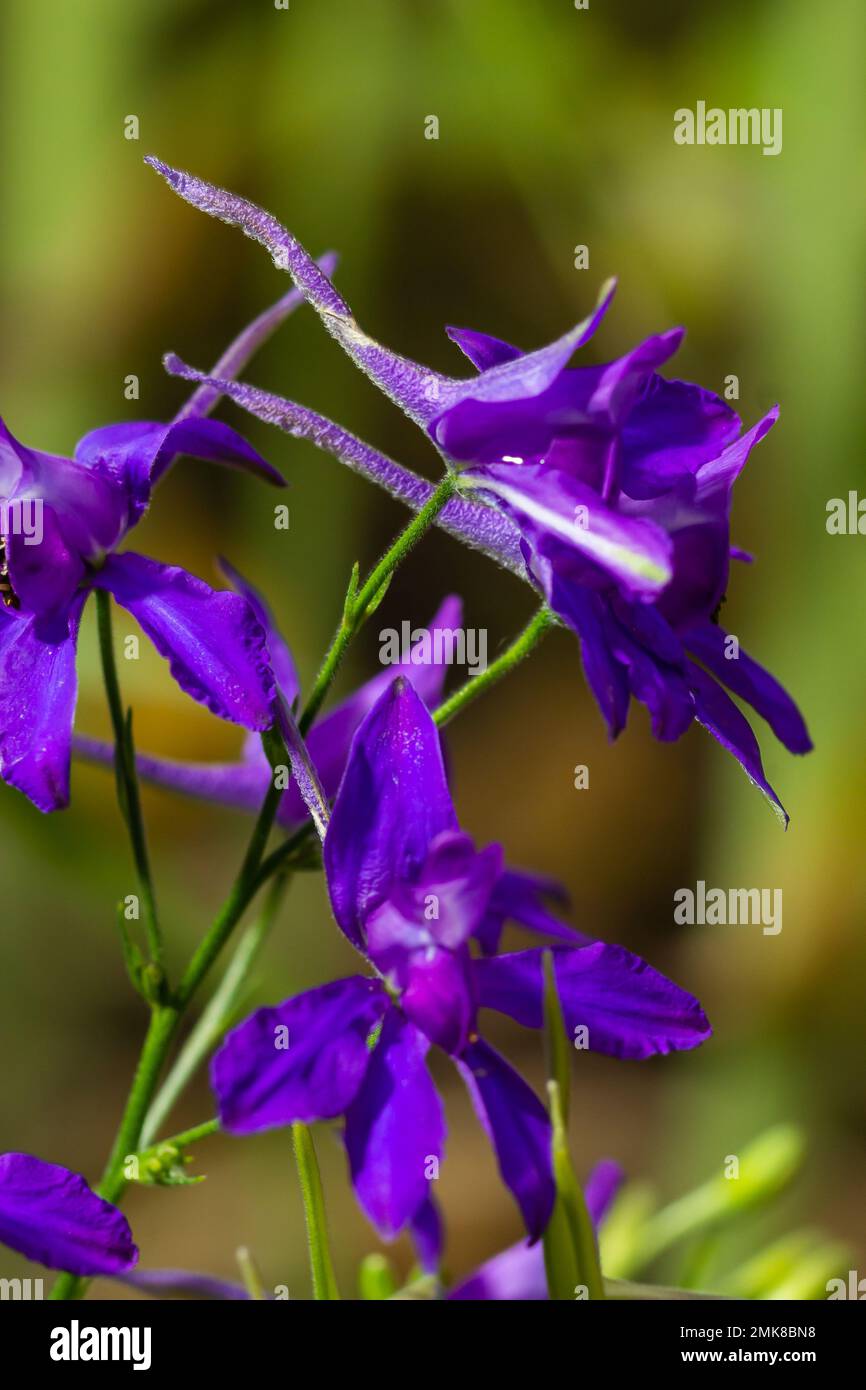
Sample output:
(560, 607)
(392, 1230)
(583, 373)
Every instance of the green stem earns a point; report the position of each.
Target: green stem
(213, 1022)
(357, 604)
(187, 1136)
(511, 657)
(127, 777)
(165, 1017)
(321, 1265)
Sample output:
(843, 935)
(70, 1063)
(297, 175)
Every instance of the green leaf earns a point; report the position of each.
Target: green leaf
(570, 1250)
(321, 1265)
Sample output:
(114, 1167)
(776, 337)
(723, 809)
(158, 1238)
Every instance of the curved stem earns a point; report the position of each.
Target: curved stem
(127, 778)
(357, 604)
(511, 657)
(215, 1019)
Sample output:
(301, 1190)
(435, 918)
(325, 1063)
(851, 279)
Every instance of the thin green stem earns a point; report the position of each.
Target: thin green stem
(187, 1136)
(321, 1265)
(357, 604)
(127, 777)
(220, 1010)
(514, 654)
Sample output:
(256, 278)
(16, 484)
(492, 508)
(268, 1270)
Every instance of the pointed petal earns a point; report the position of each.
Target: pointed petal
(38, 690)
(628, 1008)
(483, 528)
(212, 641)
(395, 1127)
(585, 613)
(708, 642)
(301, 1061)
(428, 1236)
(50, 1215)
(515, 1275)
(715, 479)
(393, 801)
(518, 1128)
(720, 716)
(482, 350)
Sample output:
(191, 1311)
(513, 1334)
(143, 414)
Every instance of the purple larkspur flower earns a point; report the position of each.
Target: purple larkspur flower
(50, 1215)
(609, 488)
(212, 640)
(517, 1275)
(518, 896)
(409, 890)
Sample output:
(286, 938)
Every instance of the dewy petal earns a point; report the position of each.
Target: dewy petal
(719, 715)
(395, 1128)
(393, 801)
(50, 1215)
(279, 651)
(301, 1061)
(38, 690)
(628, 1008)
(708, 642)
(484, 528)
(518, 1127)
(212, 641)
(551, 506)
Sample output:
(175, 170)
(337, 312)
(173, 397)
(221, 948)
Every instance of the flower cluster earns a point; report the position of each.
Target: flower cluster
(608, 489)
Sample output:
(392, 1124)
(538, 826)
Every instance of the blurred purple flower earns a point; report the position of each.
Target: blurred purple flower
(518, 1274)
(80, 509)
(409, 890)
(50, 1215)
(611, 487)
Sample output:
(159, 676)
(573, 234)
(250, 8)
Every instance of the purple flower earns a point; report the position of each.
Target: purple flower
(518, 896)
(612, 486)
(518, 1274)
(62, 520)
(50, 1215)
(409, 890)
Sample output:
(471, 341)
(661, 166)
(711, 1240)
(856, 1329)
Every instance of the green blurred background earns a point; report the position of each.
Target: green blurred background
(555, 130)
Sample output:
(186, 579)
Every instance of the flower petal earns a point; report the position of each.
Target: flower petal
(50, 1215)
(428, 1235)
(518, 1127)
(212, 641)
(482, 350)
(720, 716)
(395, 1128)
(240, 785)
(393, 801)
(567, 522)
(38, 690)
(628, 1008)
(279, 651)
(601, 1188)
(303, 1060)
(519, 897)
(709, 643)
